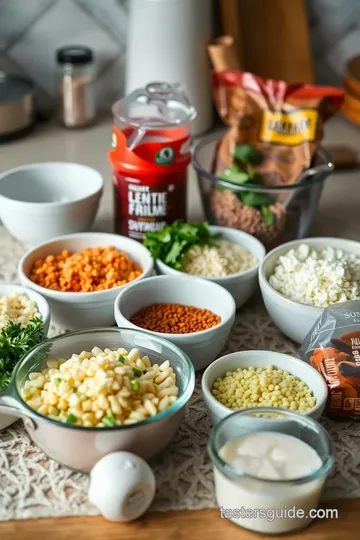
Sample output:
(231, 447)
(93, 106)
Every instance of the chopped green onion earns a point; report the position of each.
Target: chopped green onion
(137, 372)
(109, 420)
(58, 381)
(121, 359)
(70, 419)
(135, 386)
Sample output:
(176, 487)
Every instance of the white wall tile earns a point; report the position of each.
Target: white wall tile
(16, 16)
(110, 86)
(111, 14)
(63, 24)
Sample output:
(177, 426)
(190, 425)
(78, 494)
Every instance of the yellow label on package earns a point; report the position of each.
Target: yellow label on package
(290, 127)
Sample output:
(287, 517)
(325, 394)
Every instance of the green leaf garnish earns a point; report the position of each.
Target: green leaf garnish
(255, 198)
(247, 153)
(269, 218)
(70, 419)
(236, 177)
(135, 386)
(137, 372)
(171, 244)
(109, 420)
(15, 342)
(121, 359)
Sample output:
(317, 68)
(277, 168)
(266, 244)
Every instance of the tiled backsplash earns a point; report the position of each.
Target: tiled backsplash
(32, 30)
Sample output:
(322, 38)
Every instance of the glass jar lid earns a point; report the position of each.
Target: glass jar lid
(158, 105)
(75, 54)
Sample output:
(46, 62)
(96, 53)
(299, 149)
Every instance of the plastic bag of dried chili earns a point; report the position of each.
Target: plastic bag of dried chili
(283, 121)
(333, 348)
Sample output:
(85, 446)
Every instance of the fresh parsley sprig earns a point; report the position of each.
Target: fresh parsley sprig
(171, 243)
(15, 342)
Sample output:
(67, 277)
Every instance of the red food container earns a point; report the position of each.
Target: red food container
(150, 155)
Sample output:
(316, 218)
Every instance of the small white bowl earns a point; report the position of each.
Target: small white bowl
(201, 347)
(41, 201)
(44, 310)
(312, 378)
(241, 285)
(75, 310)
(294, 319)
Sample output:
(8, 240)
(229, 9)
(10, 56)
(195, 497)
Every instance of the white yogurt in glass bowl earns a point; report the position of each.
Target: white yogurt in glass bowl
(269, 468)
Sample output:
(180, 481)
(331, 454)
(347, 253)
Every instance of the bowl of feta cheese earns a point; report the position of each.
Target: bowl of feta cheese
(299, 279)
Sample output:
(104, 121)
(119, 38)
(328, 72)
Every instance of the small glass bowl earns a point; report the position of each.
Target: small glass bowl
(294, 206)
(239, 491)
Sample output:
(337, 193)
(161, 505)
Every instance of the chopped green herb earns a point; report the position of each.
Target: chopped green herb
(247, 153)
(135, 386)
(121, 359)
(57, 381)
(235, 177)
(171, 244)
(268, 216)
(15, 342)
(70, 419)
(255, 198)
(137, 372)
(109, 420)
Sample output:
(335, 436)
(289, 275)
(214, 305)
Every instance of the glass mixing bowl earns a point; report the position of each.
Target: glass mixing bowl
(294, 206)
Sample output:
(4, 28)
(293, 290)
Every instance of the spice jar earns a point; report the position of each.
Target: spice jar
(75, 85)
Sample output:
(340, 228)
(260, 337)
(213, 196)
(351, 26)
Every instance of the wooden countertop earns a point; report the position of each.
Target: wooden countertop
(197, 525)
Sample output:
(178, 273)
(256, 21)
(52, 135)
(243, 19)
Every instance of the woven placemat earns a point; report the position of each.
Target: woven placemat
(31, 485)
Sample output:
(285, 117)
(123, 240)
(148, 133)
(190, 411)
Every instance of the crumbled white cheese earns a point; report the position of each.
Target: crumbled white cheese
(317, 277)
(221, 259)
(18, 308)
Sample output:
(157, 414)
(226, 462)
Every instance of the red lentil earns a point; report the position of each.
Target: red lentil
(92, 269)
(175, 319)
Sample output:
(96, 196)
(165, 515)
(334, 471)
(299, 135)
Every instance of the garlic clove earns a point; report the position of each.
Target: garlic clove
(122, 486)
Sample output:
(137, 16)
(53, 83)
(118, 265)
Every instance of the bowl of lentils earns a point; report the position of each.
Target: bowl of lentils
(299, 279)
(225, 256)
(194, 314)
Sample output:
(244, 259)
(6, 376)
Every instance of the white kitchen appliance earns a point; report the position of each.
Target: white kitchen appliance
(167, 41)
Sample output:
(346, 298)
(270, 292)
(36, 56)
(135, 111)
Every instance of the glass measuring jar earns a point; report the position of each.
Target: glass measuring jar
(286, 505)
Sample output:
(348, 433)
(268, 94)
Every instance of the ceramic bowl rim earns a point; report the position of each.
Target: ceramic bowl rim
(214, 404)
(41, 303)
(61, 295)
(264, 282)
(53, 204)
(178, 338)
(223, 280)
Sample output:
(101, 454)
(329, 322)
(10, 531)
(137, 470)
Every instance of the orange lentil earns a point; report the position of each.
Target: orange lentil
(92, 269)
(175, 319)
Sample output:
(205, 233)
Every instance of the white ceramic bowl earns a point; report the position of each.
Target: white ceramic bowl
(72, 310)
(294, 319)
(44, 310)
(312, 378)
(242, 284)
(41, 201)
(201, 347)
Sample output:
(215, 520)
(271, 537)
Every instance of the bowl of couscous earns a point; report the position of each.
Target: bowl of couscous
(232, 261)
(262, 379)
(80, 275)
